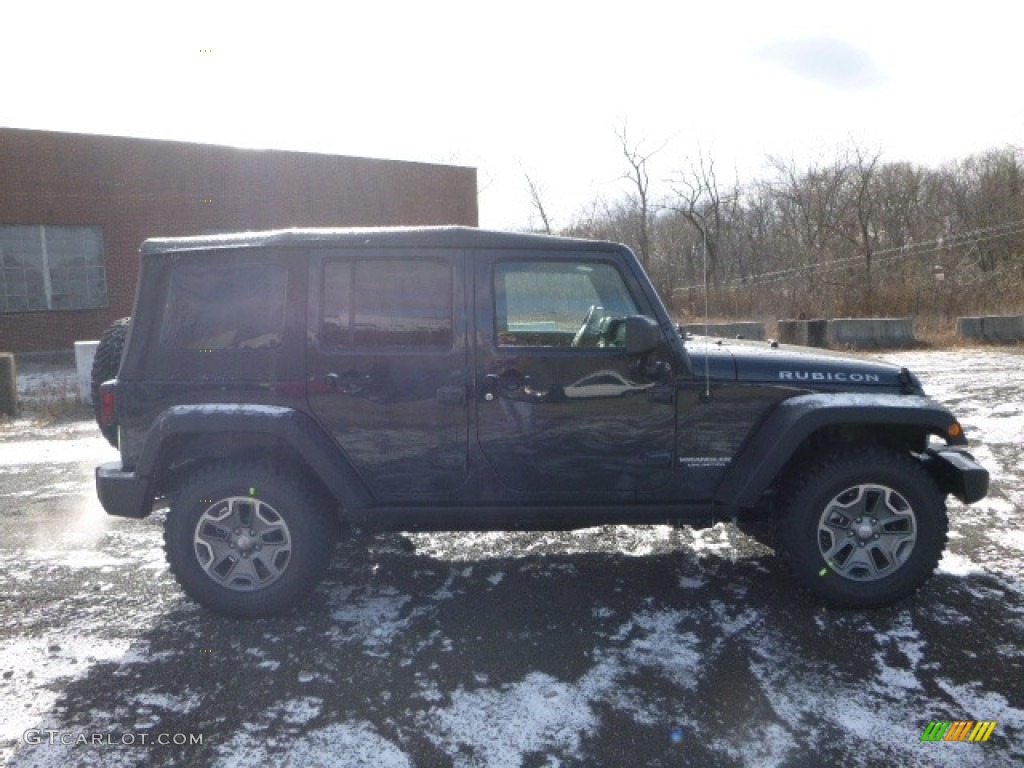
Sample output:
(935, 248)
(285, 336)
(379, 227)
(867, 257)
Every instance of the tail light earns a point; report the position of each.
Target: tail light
(108, 404)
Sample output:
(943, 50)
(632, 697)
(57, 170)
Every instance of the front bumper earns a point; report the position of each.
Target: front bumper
(121, 493)
(958, 473)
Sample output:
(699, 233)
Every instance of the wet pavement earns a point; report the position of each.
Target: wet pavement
(607, 647)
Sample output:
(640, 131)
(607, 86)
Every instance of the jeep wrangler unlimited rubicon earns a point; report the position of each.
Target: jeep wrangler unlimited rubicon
(276, 386)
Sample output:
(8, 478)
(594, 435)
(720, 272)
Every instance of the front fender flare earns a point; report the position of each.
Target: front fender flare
(780, 434)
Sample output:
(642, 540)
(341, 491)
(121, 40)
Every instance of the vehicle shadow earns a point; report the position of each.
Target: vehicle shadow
(581, 657)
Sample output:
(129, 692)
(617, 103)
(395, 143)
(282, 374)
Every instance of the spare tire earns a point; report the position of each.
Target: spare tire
(105, 366)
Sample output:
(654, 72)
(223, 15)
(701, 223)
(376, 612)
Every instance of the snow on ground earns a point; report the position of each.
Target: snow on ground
(607, 646)
(985, 390)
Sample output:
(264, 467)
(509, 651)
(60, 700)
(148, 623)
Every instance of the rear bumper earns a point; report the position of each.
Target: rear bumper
(958, 473)
(121, 493)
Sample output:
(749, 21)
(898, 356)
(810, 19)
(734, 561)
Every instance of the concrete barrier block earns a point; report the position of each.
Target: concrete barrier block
(997, 328)
(805, 333)
(746, 330)
(871, 332)
(969, 327)
(793, 332)
(845, 332)
(85, 351)
(8, 385)
(817, 333)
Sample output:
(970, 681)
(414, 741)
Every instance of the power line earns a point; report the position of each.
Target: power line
(923, 248)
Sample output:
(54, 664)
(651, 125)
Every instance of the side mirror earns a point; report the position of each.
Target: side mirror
(642, 335)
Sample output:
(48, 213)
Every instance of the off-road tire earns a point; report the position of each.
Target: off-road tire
(895, 558)
(105, 366)
(207, 509)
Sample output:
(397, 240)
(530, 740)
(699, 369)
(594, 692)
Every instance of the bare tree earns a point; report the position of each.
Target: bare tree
(537, 203)
(810, 202)
(846, 234)
(863, 205)
(639, 178)
(699, 202)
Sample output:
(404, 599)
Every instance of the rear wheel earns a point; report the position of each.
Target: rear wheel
(246, 541)
(105, 366)
(863, 528)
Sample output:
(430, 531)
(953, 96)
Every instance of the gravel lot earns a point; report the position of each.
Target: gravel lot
(606, 647)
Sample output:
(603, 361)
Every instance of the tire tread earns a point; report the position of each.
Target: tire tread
(277, 599)
(805, 483)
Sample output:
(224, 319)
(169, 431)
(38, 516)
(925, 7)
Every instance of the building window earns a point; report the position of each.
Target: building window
(51, 267)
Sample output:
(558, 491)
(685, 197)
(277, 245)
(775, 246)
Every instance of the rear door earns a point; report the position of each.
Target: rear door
(562, 409)
(387, 365)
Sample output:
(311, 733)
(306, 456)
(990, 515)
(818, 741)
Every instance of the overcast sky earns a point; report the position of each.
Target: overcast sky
(537, 87)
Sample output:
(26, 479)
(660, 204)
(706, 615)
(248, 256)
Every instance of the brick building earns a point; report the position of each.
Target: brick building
(74, 209)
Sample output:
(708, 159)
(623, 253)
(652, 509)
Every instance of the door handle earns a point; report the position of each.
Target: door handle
(349, 382)
(506, 381)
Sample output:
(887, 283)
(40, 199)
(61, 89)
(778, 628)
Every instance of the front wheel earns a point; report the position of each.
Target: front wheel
(247, 542)
(863, 528)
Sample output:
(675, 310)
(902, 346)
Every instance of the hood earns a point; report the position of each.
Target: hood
(764, 362)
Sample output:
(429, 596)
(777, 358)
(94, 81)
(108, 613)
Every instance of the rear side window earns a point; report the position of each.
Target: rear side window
(389, 303)
(225, 306)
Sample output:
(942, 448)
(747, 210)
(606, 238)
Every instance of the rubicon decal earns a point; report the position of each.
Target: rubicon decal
(959, 730)
(842, 376)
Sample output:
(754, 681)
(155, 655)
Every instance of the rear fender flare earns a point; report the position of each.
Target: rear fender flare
(293, 427)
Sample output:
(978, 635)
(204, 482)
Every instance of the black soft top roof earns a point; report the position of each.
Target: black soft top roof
(377, 237)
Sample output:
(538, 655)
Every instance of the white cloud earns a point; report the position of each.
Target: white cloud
(830, 61)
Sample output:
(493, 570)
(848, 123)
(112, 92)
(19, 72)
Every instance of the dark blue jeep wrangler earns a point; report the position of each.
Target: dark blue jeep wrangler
(276, 387)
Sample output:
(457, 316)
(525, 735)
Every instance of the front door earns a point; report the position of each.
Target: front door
(388, 365)
(561, 407)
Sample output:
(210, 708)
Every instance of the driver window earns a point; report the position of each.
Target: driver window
(560, 304)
